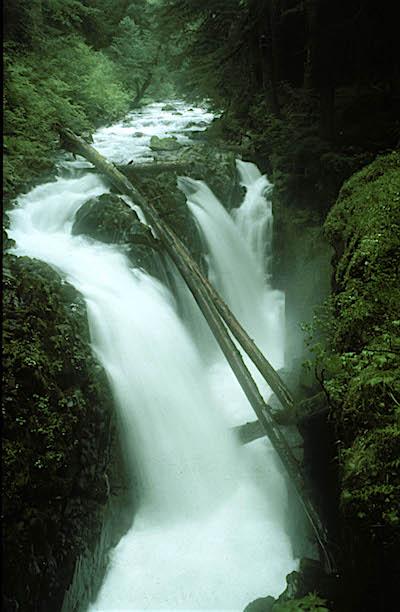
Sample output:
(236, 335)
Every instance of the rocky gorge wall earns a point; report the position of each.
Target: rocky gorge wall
(360, 362)
(61, 457)
(342, 275)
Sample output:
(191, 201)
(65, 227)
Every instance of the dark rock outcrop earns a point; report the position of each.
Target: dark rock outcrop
(109, 219)
(309, 588)
(164, 144)
(59, 441)
(361, 366)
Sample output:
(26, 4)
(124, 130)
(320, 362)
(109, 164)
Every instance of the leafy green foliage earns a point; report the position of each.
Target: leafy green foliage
(133, 51)
(76, 63)
(42, 91)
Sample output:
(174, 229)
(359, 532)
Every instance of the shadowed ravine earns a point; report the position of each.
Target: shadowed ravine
(210, 529)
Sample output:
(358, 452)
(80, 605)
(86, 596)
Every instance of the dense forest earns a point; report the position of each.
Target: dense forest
(310, 91)
(115, 51)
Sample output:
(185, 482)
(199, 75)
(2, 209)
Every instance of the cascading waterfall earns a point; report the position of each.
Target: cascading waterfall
(238, 248)
(209, 533)
(253, 218)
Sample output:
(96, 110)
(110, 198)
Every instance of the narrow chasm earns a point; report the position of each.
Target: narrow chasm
(201, 334)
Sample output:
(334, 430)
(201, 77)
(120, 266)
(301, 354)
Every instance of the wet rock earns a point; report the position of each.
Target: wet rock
(262, 604)
(169, 107)
(164, 144)
(196, 124)
(109, 219)
(57, 428)
(8, 243)
(196, 134)
(309, 578)
(162, 191)
(139, 134)
(308, 589)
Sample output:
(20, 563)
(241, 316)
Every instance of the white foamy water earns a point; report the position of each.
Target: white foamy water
(238, 247)
(209, 533)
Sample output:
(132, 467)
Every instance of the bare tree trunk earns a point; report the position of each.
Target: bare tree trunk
(261, 15)
(316, 80)
(141, 90)
(309, 77)
(327, 111)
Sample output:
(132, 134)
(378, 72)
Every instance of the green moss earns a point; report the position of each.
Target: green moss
(360, 361)
(57, 431)
(311, 603)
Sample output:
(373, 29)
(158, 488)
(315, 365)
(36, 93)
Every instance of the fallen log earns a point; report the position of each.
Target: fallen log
(219, 318)
(253, 429)
(179, 252)
(150, 169)
(249, 432)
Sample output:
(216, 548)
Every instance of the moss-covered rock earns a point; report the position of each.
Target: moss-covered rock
(57, 431)
(301, 593)
(361, 368)
(109, 219)
(170, 143)
(309, 603)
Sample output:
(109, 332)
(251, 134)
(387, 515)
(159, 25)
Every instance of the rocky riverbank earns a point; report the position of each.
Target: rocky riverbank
(60, 449)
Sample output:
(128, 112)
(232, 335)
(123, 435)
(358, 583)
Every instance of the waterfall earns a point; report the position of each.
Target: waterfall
(209, 532)
(238, 249)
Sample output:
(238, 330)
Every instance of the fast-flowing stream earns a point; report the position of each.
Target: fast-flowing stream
(209, 533)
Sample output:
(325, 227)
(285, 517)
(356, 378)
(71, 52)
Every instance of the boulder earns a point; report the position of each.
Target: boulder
(196, 134)
(262, 604)
(8, 243)
(109, 219)
(310, 578)
(168, 107)
(59, 436)
(307, 589)
(196, 124)
(164, 144)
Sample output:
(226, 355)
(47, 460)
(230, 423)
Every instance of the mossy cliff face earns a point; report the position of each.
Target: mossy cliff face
(361, 368)
(57, 435)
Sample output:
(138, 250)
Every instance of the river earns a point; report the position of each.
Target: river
(210, 531)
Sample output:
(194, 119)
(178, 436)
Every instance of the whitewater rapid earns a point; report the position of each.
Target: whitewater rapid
(210, 531)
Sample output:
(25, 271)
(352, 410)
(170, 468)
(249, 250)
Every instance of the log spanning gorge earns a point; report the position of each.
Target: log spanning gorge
(210, 531)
